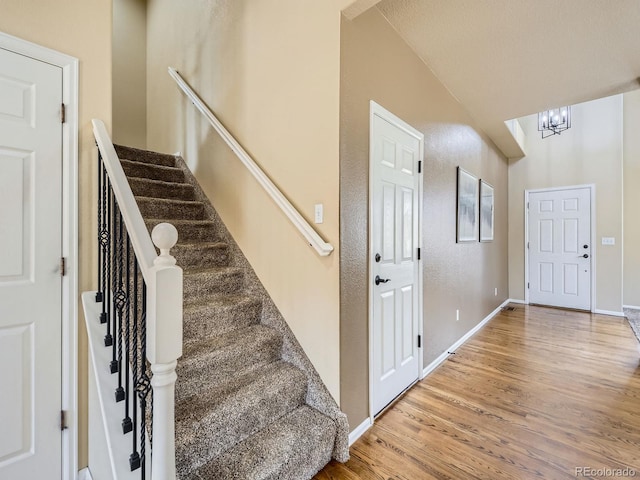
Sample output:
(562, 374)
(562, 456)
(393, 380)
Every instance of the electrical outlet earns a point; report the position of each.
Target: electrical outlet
(457, 315)
(495, 292)
(319, 213)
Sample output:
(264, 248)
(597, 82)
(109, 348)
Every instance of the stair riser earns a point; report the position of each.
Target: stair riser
(171, 211)
(222, 364)
(240, 416)
(208, 321)
(206, 256)
(197, 286)
(188, 233)
(133, 154)
(146, 170)
(174, 191)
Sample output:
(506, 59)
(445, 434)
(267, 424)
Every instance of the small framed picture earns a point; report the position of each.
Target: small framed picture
(467, 208)
(486, 212)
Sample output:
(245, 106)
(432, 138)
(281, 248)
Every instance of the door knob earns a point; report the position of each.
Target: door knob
(379, 280)
(586, 255)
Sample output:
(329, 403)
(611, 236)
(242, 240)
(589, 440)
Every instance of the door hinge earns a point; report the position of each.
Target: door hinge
(527, 205)
(418, 253)
(63, 420)
(419, 341)
(63, 266)
(419, 166)
(528, 285)
(528, 245)
(63, 113)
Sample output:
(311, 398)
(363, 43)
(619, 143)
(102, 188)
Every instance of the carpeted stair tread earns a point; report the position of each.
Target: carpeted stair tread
(201, 254)
(215, 315)
(155, 172)
(214, 359)
(146, 187)
(215, 420)
(202, 282)
(189, 231)
(171, 209)
(294, 447)
(145, 156)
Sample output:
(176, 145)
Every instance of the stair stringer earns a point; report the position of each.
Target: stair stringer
(318, 395)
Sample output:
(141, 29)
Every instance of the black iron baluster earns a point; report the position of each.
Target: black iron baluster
(99, 292)
(127, 426)
(144, 384)
(134, 458)
(104, 241)
(121, 301)
(114, 285)
(108, 339)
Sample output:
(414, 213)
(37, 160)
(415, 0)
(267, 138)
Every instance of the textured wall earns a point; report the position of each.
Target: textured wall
(270, 71)
(81, 29)
(377, 65)
(631, 146)
(589, 153)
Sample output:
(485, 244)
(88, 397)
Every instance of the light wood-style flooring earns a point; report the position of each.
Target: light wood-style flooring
(538, 393)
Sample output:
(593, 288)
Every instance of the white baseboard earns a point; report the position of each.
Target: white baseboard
(359, 430)
(609, 312)
(631, 307)
(432, 366)
(85, 474)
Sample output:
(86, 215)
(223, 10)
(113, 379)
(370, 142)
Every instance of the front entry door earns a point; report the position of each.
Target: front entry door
(560, 248)
(396, 153)
(30, 280)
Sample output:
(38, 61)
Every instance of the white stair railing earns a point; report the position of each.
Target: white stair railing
(152, 313)
(323, 248)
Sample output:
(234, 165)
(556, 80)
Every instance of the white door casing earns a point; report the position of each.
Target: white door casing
(34, 270)
(560, 247)
(396, 150)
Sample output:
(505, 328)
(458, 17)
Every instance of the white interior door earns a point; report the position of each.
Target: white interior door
(30, 280)
(396, 150)
(560, 248)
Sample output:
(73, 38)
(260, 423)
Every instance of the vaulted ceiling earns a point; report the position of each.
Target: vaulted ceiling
(504, 59)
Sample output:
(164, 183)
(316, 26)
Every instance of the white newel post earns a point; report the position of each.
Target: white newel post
(164, 347)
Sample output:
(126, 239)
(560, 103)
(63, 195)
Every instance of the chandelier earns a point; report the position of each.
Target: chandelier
(554, 121)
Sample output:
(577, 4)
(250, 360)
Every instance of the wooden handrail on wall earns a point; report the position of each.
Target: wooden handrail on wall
(323, 248)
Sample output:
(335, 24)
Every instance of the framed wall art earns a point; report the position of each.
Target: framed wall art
(486, 212)
(467, 209)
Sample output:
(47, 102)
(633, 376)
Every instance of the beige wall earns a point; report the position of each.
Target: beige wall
(377, 65)
(129, 74)
(589, 153)
(81, 29)
(631, 146)
(270, 70)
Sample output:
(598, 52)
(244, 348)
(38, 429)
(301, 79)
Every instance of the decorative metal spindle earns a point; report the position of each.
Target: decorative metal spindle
(121, 302)
(99, 292)
(114, 285)
(134, 458)
(127, 426)
(144, 383)
(108, 339)
(104, 241)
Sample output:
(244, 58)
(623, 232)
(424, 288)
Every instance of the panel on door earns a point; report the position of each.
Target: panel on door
(394, 229)
(30, 282)
(560, 248)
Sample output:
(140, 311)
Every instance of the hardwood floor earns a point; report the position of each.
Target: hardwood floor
(537, 394)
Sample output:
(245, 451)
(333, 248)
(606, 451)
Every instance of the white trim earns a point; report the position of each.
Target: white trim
(322, 248)
(378, 110)
(432, 366)
(357, 432)
(613, 313)
(85, 474)
(631, 307)
(69, 367)
(592, 199)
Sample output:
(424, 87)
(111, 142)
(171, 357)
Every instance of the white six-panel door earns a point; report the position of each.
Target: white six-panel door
(396, 150)
(560, 247)
(30, 280)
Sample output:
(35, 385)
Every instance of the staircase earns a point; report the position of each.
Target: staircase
(249, 404)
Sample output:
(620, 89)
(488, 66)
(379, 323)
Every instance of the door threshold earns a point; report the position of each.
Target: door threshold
(568, 309)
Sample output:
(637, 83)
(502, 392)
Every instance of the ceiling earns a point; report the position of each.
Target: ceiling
(504, 59)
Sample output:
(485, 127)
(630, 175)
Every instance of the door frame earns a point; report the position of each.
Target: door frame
(376, 109)
(69, 365)
(592, 199)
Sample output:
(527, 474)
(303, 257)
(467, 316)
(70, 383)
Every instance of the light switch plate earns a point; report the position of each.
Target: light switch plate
(319, 213)
(608, 241)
